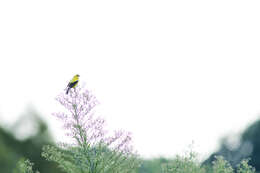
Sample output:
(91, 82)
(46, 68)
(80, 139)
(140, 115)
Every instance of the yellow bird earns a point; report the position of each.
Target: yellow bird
(73, 83)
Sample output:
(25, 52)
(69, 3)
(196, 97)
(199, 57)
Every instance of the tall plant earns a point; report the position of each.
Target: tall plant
(92, 149)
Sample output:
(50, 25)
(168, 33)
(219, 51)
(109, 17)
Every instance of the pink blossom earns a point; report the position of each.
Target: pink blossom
(83, 126)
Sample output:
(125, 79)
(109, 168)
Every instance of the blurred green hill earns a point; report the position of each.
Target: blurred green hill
(247, 145)
(14, 145)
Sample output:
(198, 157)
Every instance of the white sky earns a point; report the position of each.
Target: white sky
(171, 72)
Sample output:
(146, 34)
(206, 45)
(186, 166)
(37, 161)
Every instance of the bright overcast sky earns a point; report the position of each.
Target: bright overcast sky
(171, 72)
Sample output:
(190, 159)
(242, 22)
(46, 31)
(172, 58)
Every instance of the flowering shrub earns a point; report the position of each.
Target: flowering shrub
(93, 151)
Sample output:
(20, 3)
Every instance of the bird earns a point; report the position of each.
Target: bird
(73, 83)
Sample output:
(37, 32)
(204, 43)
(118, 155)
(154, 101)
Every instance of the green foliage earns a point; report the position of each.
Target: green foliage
(24, 166)
(244, 167)
(98, 157)
(86, 159)
(152, 165)
(220, 165)
(190, 164)
(184, 164)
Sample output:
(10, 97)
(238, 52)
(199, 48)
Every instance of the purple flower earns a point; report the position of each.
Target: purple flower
(81, 124)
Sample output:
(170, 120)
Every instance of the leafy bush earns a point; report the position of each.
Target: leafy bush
(190, 164)
(184, 164)
(24, 166)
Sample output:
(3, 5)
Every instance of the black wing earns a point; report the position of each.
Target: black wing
(71, 85)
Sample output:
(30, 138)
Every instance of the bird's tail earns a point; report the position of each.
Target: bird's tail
(68, 90)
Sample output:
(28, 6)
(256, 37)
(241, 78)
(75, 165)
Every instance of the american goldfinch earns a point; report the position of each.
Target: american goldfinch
(73, 83)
